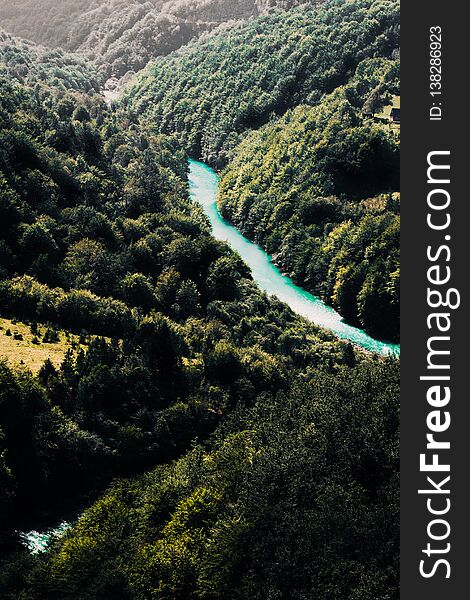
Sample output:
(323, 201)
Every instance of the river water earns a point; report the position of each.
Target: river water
(203, 183)
(38, 541)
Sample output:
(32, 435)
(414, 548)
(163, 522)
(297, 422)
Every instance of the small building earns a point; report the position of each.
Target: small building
(395, 115)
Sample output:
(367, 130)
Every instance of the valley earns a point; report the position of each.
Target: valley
(203, 184)
(199, 272)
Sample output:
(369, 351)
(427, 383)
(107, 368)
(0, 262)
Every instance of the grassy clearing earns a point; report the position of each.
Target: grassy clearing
(383, 116)
(23, 344)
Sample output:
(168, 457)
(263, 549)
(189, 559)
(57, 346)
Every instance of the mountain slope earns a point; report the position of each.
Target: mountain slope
(98, 236)
(205, 442)
(212, 91)
(121, 36)
(31, 64)
(276, 507)
(314, 183)
(317, 189)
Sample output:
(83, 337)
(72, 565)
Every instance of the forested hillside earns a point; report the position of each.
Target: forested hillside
(28, 63)
(317, 190)
(205, 441)
(314, 185)
(276, 507)
(211, 92)
(121, 36)
(98, 236)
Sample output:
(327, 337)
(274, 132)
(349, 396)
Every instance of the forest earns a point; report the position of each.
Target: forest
(318, 190)
(29, 63)
(316, 183)
(212, 92)
(209, 442)
(121, 36)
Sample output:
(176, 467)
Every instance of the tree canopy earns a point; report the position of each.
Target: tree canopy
(318, 189)
(31, 64)
(122, 36)
(211, 92)
(204, 441)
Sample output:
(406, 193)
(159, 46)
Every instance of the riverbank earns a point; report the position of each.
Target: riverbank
(203, 182)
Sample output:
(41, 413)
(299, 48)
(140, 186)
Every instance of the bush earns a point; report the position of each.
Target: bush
(51, 336)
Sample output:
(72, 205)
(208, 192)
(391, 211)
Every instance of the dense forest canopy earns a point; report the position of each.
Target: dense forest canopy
(211, 92)
(121, 36)
(99, 236)
(29, 63)
(212, 444)
(317, 189)
(275, 507)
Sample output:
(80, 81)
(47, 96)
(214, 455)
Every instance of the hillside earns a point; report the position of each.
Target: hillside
(121, 36)
(275, 507)
(31, 64)
(204, 440)
(98, 237)
(316, 189)
(211, 92)
(314, 183)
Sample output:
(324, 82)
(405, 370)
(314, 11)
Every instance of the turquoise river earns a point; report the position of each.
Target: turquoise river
(203, 184)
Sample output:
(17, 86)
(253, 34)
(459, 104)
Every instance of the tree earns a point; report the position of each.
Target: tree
(138, 291)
